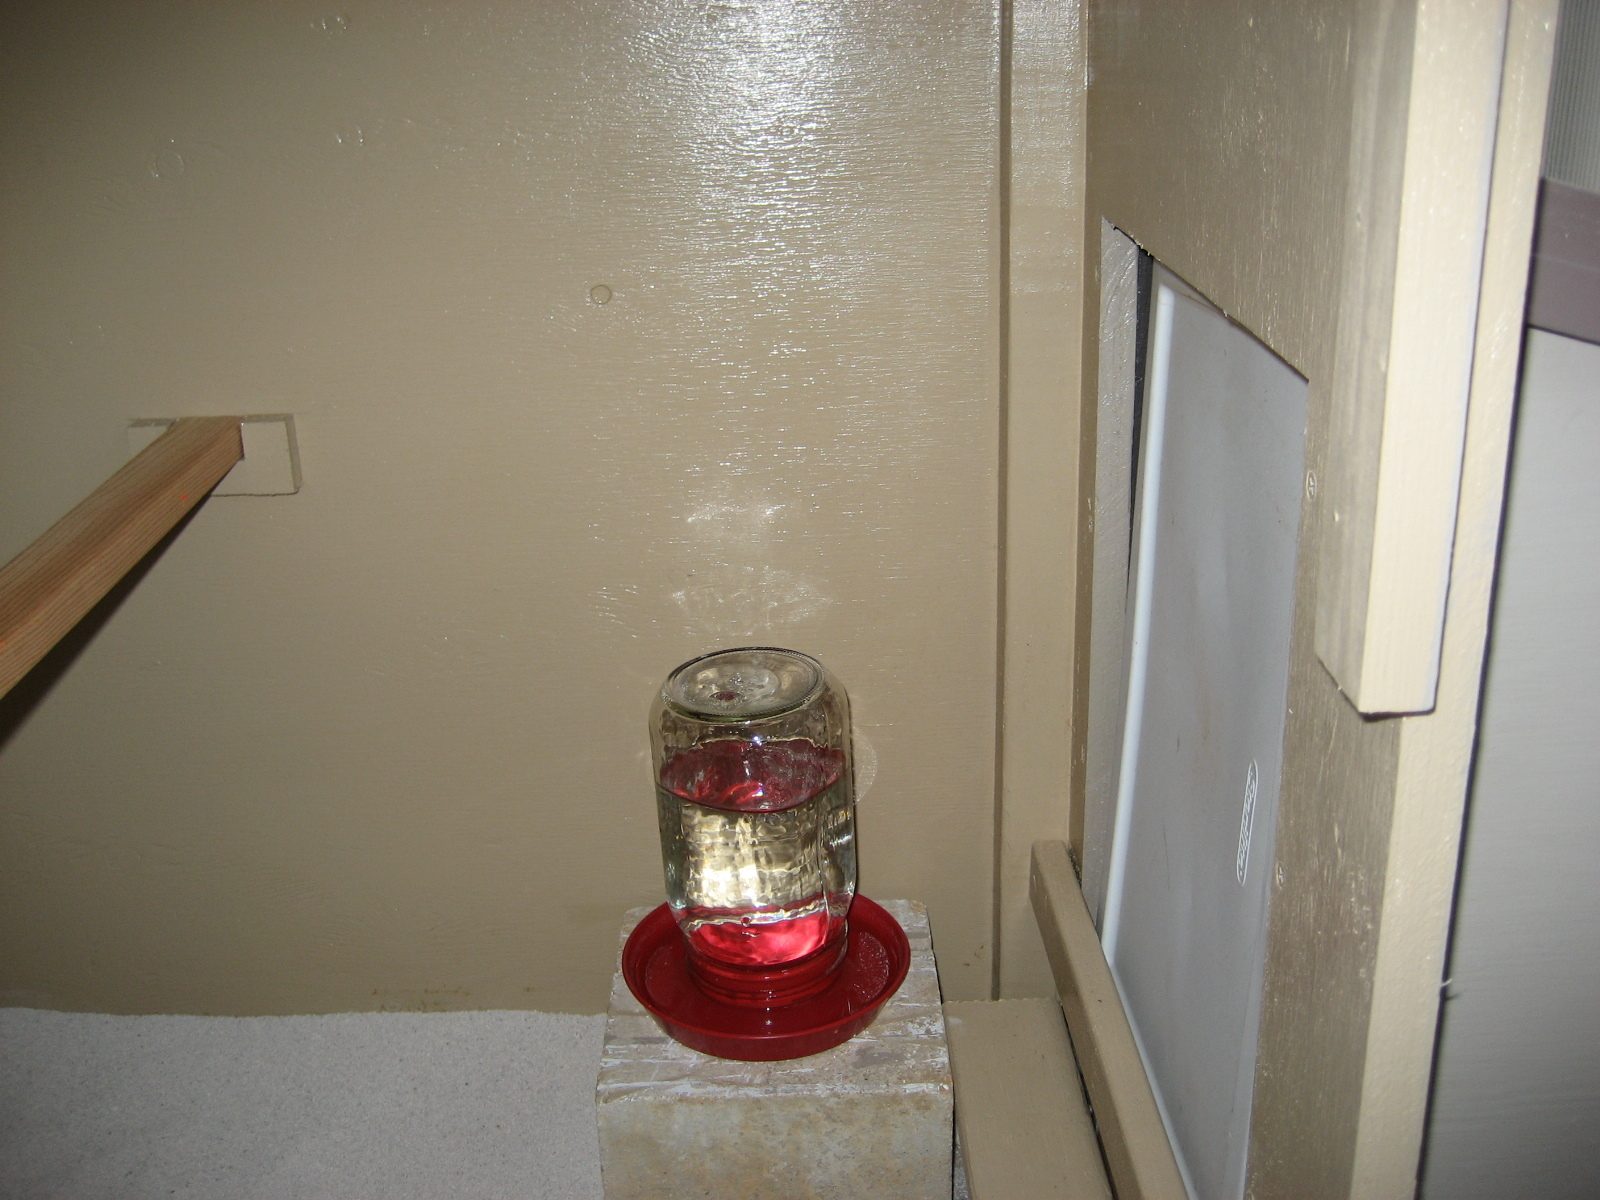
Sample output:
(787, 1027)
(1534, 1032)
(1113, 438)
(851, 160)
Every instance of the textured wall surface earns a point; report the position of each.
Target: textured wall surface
(614, 332)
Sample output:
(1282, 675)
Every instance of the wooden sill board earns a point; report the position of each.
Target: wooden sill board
(1024, 1124)
(1138, 1154)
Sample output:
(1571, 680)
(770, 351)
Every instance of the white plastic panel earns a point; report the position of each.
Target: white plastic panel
(1220, 482)
(1516, 1086)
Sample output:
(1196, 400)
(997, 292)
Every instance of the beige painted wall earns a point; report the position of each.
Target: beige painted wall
(381, 744)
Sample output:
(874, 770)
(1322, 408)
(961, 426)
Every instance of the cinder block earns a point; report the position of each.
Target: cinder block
(871, 1118)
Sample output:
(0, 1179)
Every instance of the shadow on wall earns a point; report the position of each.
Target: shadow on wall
(17, 705)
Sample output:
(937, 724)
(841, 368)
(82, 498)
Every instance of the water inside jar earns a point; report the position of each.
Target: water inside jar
(758, 842)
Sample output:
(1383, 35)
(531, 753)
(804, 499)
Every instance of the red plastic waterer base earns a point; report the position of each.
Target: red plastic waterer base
(656, 968)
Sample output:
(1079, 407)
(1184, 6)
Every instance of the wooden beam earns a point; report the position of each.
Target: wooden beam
(1132, 1134)
(1042, 286)
(1025, 1127)
(47, 589)
(1420, 163)
(1435, 755)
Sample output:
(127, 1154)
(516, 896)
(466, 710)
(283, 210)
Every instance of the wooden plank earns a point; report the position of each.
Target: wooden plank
(1135, 1141)
(1435, 753)
(1043, 283)
(1367, 855)
(47, 589)
(1020, 1109)
(1418, 193)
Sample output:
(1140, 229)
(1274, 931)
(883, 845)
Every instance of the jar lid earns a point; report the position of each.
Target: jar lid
(743, 684)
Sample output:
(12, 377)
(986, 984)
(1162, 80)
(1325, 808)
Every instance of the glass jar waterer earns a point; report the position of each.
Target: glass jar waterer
(755, 798)
(763, 950)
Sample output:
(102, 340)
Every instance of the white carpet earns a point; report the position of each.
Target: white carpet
(494, 1105)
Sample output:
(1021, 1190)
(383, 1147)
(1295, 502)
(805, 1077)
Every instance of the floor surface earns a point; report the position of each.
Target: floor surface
(387, 1105)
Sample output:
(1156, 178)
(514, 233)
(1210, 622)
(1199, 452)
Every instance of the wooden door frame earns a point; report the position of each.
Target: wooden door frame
(1369, 827)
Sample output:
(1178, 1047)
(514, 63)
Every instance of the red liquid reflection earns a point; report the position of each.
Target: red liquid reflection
(760, 849)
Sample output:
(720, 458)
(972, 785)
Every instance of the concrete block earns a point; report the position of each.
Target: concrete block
(871, 1118)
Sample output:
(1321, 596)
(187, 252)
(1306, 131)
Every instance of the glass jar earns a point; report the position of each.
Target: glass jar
(755, 794)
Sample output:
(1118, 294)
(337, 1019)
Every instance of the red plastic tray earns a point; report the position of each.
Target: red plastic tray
(655, 966)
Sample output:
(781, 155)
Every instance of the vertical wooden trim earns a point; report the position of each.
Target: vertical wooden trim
(1367, 854)
(1436, 750)
(1132, 1133)
(1418, 192)
(47, 589)
(1045, 312)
